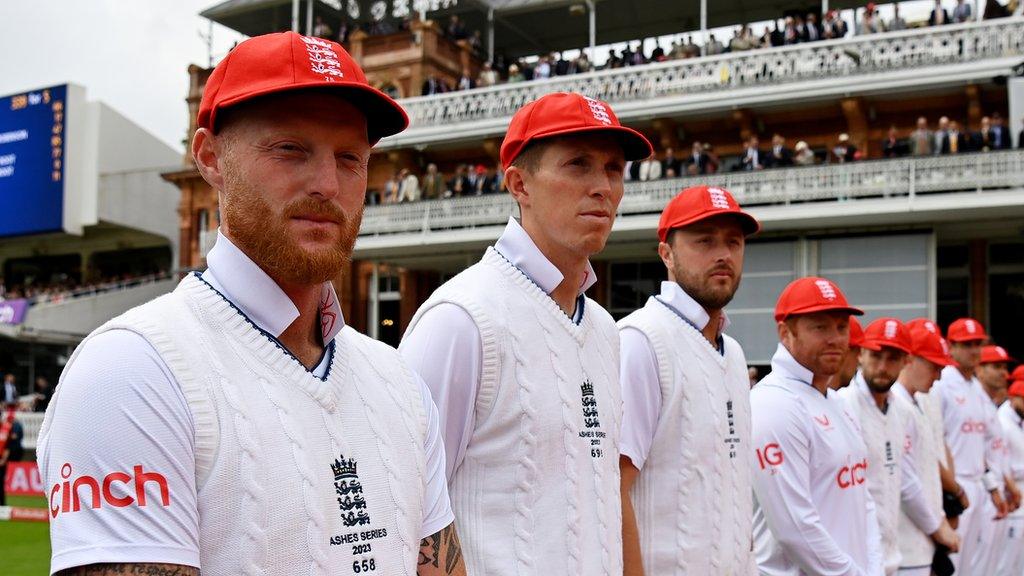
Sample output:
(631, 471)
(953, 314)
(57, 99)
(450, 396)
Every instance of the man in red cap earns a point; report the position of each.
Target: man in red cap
(686, 400)
(1017, 375)
(924, 453)
(892, 478)
(970, 434)
(236, 425)
(524, 368)
(1011, 416)
(992, 374)
(813, 511)
(852, 359)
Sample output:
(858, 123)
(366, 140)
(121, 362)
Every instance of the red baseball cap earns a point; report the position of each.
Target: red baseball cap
(699, 203)
(1018, 373)
(929, 345)
(286, 61)
(811, 294)
(562, 113)
(966, 330)
(995, 355)
(887, 332)
(1017, 388)
(925, 324)
(856, 333)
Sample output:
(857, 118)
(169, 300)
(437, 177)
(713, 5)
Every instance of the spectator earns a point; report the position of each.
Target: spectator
(456, 30)
(343, 31)
(658, 54)
(954, 141)
(322, 29)
(479, 182)
(488, 76)
(801, 28)
(775, 37)
(940, 135)
(476, 42)
(543, 69)
(982, 139)
(741, 40)
(812, 29)
(869, 21)
(897, 22)
(714, 47)
(891, 144)
(844, 150)
(466, 81)
(43, 393)
(559, 65)
(962, 12)
(804, 155)
(780, 156)
(670, 162)
(11, 449)
(833, 26)
(1000, 135)
(713, 162)
(583, 64)
(939, 16)
(753, 158)
(10, 390)
(994, 9)
(650, 169)
(636, 56)
(459, 184)
(633, 170)
(391, 188)
(690, 49)
(921, 139)
(699, 161)
(515, 75)
(433, 85)
(432, 186)
(789, 32)
(409, 186)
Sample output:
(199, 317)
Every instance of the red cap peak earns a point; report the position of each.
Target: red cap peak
(811, 294)
(888, 332)
(699, 203)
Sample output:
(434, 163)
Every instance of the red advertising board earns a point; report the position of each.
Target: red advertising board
(23, 479)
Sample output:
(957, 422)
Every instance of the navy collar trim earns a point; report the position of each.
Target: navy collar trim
(581, 300)
(719, 341)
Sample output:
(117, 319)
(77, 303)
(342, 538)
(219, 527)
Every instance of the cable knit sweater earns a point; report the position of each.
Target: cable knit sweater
(538, 490)
(291, 470)
(693, 498)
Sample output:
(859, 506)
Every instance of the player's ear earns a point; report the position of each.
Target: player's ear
(206, 152)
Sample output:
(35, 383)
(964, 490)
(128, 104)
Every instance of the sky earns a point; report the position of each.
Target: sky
(133, 55)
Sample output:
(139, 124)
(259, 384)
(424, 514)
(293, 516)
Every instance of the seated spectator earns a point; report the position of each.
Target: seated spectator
(921, 139)
(753, 157)
(714, 46)
(432, 185)
(322, 29)
(844, 150)
(650, 169)
(459, 184)
(804, 156)
(954, 141)
(669, 162)
(962, 12)
(812, 29)
(409, 186)
(891, 146)
(833, 26)
(869, 21)
(488, 76)
(698, 162)
(780, 156)
(897, 22)
(939, 16)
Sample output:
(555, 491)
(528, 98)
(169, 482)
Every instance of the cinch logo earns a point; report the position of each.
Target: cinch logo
(890, 329)
(823, 420)
(770, 455)
(852, 475)
(828, 291)
(960, 400)
(972, 427)
(718, 199)
(598, 109)
(70, 498)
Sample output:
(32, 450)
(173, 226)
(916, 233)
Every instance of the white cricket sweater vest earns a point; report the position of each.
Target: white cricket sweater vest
(884, 437)
(538, 489)
(916, 547)
(693, 498)
(294, 474)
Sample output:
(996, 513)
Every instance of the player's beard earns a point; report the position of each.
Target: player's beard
(697, 285)
(879, 384)
(267, 240)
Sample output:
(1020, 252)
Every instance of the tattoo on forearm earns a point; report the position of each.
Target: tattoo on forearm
(130, 570)
(442, 544)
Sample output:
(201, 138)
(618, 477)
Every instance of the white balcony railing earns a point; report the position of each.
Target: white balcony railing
(870, 179)
(844, 58)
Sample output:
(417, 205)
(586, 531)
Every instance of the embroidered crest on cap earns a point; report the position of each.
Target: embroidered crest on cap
(890, 329)
(718, 199)
(931, 327)
(598, 109)
(971, 326)
(827, 291)
(322, 58)
(1001, 352)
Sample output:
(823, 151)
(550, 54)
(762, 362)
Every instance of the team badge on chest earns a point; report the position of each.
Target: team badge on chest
(591, 422)
(349, 491)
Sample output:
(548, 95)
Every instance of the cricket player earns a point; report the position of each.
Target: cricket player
(1011, 416)
(813, 511)
(925, 452)
(892, 478)
(970, 437)
(524, 367)
(686, 492)
(851, 362)
(236, 425)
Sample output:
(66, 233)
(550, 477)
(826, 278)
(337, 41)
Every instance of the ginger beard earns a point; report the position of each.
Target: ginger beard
(266, 238)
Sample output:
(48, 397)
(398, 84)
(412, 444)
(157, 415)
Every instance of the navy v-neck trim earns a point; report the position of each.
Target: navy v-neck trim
(719, 341)
(328, 350)
(581, 299)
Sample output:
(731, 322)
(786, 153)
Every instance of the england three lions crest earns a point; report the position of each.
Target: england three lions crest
(591, 420)
(349, 492)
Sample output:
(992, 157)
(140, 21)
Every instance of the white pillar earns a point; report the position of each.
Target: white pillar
(704, 26)
(1015, 95)
(824, 7)
(295, 15)
(309, 17)
(592, 7)
(490, 35)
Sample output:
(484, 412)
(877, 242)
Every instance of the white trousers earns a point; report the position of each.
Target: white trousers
(1011, 560)
(970, 529)
(990, 540)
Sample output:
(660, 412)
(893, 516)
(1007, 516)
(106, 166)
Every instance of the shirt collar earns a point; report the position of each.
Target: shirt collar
(787, 367)
(673, 296)
(518, 248)
(256, 294)
(900, 390)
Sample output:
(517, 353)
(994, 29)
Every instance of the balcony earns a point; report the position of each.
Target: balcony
(912, 58)
(874, 190)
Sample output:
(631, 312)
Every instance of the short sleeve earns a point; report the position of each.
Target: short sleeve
(437, 508)
(117, 459)
(641, 395)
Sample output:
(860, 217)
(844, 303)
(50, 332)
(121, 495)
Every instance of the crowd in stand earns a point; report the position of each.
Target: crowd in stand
(63, 287)
(466, 180)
